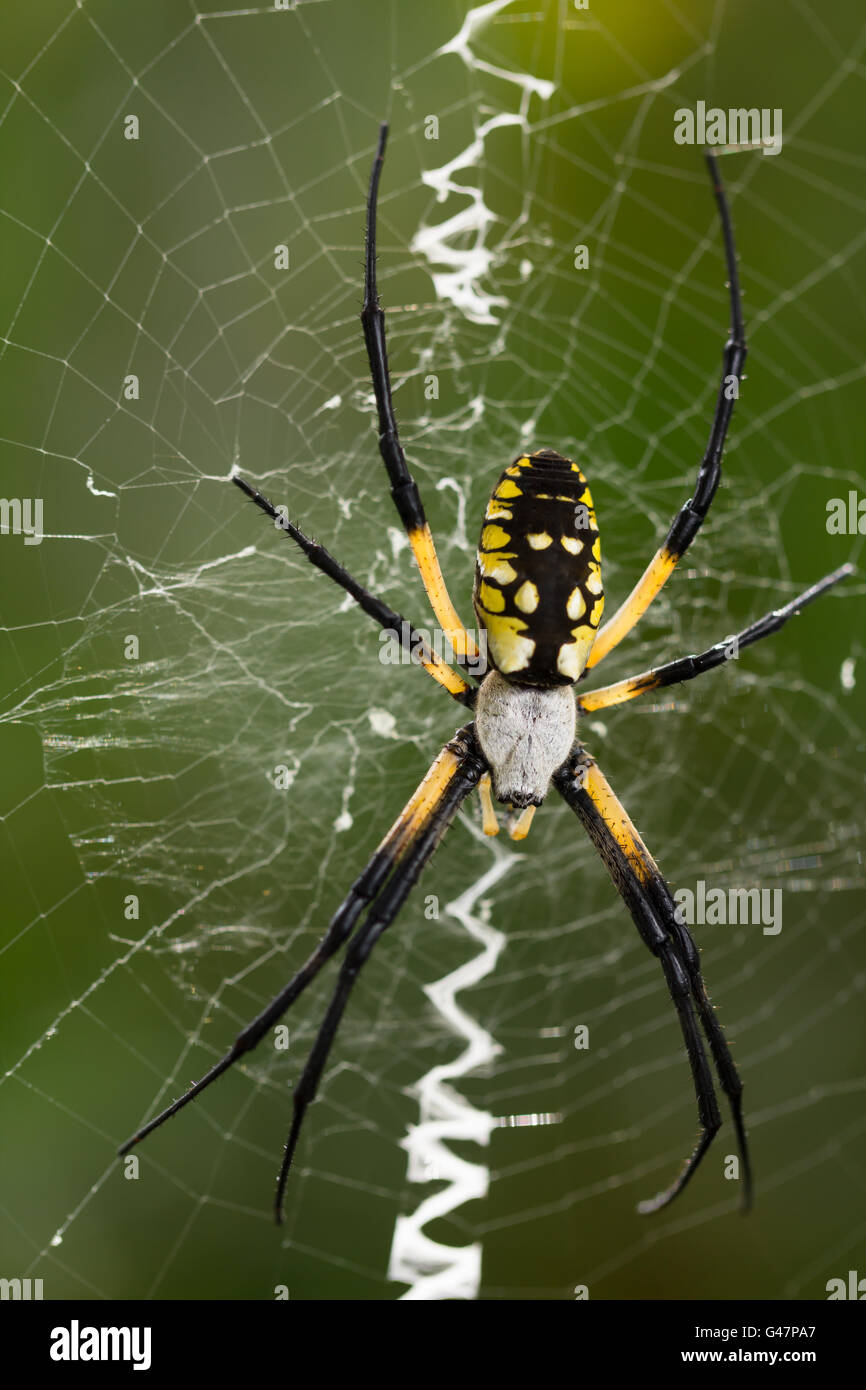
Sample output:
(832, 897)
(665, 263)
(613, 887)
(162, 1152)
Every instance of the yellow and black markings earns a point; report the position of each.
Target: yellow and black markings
(617, 820)
(421, 541)
(422, 803)
(538, 588)
(653, 579)
(617, 694)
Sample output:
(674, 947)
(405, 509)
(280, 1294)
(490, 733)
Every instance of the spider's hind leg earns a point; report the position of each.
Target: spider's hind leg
(420, 828)
(457, 761)
(646, 894)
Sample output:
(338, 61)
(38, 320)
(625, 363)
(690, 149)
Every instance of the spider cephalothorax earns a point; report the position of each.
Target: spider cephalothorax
(526, 733)
(538, 595)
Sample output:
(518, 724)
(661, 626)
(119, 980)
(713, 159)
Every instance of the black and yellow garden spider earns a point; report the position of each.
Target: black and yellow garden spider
(538, 596)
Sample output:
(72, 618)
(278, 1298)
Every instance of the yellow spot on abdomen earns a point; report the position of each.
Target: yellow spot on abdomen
(497, 511)
(508, 489)
(576, 605)
(492, 599)
(526, 597)
(572, 655)
(510, 650)
(593, 579)
(496, 567)
(494, 538)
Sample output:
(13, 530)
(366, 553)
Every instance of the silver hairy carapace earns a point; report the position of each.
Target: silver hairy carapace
(526, 733)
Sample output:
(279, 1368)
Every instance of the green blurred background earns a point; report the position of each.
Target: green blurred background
(150, 776)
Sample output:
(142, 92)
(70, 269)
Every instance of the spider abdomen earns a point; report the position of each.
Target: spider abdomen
(538, 590)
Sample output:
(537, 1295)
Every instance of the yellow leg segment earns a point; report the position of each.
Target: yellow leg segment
(618, 693)
(441, 671)
(685, 668)
(652, 580)
(519, 828)
(421, 541)
(618, 821)
(422, 803)
(489, 819)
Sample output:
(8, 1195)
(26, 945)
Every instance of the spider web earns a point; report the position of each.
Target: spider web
(165, 655)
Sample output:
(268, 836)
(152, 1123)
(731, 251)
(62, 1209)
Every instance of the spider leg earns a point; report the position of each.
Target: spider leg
(637, 878)
(489, 819)
(685, 668)
(399, 840)
(404, 489)
(465, 770)
(691, 515)
(410, 639)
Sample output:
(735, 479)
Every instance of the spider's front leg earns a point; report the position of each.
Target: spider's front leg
(692, 514)
(404, 489)
(648, 898)
(412, 641)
